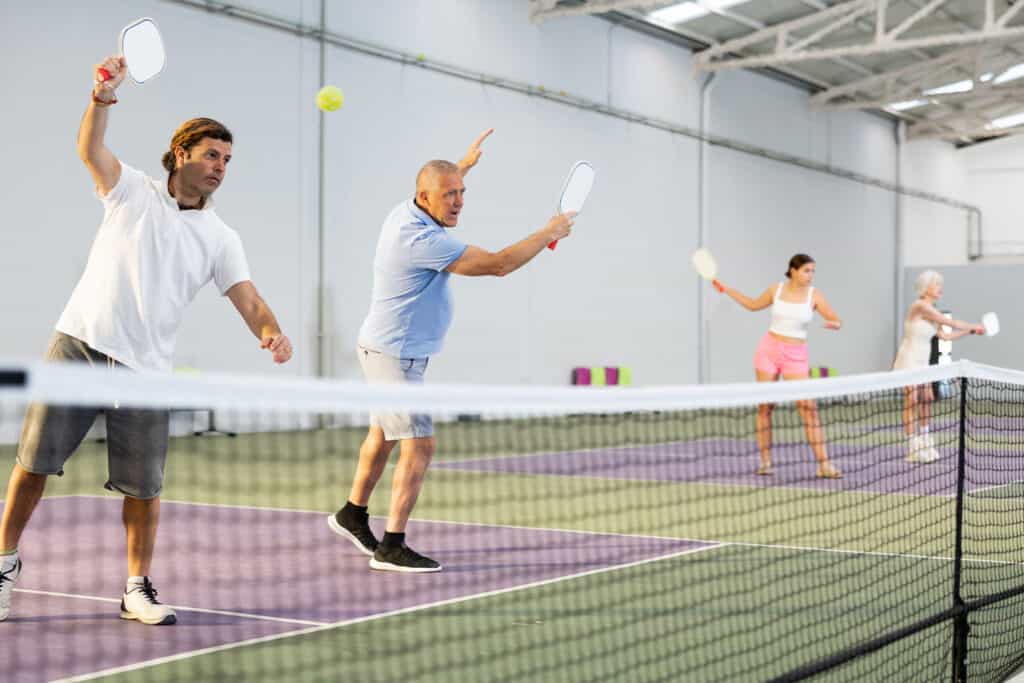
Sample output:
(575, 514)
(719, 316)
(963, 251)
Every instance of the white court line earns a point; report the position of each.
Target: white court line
(709, 545)
(984, 489)
(224, 506)
(183, 608)
(592, 449)
(372, 617)
(572, 531)
(719, 484)
(716, 543)
(229, 506)
(871, 553)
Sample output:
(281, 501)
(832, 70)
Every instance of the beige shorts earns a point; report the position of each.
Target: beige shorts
(380, 368)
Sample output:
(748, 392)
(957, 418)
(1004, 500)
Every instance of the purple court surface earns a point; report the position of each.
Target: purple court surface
(871, 469)
(236, 574)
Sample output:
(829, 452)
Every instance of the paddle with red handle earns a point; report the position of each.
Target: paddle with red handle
(706, 266)
(143, 51)
(576, 189)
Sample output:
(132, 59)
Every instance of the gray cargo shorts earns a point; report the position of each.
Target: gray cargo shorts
(379, 368)
(136, 439)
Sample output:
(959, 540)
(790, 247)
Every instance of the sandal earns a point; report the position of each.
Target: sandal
(827, 471)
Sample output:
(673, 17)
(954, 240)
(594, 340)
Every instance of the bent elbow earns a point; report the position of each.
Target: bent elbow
(502, 266)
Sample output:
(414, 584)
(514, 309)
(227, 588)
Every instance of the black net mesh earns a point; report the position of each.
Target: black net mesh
(616, 544)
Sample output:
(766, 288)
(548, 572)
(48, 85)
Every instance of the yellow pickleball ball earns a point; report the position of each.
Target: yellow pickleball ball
(330, 98)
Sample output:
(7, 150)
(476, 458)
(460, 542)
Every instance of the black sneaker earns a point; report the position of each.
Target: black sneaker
(402, 558)
(360, 534)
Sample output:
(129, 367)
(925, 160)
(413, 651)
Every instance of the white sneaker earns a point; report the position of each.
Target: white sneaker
(7, 579)
(915, 448)
(139, 602)
(930, 453)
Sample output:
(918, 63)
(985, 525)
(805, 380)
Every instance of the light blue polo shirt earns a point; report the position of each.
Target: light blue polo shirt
(411, 304)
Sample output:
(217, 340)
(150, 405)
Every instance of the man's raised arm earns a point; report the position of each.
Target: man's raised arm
(101, 162)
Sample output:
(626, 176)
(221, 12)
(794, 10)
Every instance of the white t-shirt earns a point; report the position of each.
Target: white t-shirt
(147, 263)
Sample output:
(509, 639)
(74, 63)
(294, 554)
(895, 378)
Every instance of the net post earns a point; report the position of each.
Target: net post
(960, 623)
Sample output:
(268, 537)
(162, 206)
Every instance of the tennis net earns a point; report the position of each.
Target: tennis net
(591, 534)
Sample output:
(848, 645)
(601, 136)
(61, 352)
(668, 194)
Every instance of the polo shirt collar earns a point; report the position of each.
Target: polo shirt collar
(421, 214)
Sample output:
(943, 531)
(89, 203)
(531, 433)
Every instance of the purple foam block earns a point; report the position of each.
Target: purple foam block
(581, 375)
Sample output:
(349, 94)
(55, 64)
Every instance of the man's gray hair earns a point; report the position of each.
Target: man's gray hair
(433, 169)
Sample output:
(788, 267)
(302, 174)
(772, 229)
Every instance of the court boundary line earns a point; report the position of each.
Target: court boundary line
(993, 487)
(441, 603)
(223, 612)
(184, 608)
(305, 511)
(373, 617)
(873, 553)
(599, 449)
(718, 543)
(706, 546)
(784, 487)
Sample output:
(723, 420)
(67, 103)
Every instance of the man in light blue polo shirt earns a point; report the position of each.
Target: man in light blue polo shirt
(410, 311)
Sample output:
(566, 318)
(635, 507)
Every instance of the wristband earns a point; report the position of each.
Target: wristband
(102, 103)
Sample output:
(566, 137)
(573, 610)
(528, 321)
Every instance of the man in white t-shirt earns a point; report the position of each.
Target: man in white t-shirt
(159, 243)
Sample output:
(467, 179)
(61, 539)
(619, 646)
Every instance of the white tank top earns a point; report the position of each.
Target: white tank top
(789, 319)
(916, 347)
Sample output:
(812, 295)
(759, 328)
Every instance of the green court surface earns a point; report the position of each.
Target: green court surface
(783, 575)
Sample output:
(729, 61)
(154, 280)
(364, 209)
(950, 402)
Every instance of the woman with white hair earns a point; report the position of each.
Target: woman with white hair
(923, 322)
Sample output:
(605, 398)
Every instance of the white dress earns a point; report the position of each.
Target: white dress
(916, 346)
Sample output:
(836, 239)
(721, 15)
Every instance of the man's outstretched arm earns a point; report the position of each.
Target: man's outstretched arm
(260, 319)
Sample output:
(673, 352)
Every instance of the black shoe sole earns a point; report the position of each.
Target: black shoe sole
(345, 533)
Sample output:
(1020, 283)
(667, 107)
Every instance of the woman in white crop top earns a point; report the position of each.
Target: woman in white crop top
(923, 322)
(782, 352)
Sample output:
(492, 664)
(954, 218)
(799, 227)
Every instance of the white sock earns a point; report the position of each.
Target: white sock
(8, 561)
(134, 581)
(924, 429)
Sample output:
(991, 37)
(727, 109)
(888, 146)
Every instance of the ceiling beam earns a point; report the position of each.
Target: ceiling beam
(542, 10)
(915, 81)
(962, 135)
(786, 43)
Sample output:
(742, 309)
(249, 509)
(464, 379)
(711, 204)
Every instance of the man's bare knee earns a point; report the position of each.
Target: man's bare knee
(420, 447)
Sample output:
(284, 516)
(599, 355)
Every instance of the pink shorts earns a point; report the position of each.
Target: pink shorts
(776, 357)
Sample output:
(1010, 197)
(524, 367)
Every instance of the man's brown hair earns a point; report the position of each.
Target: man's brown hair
(190, 133)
